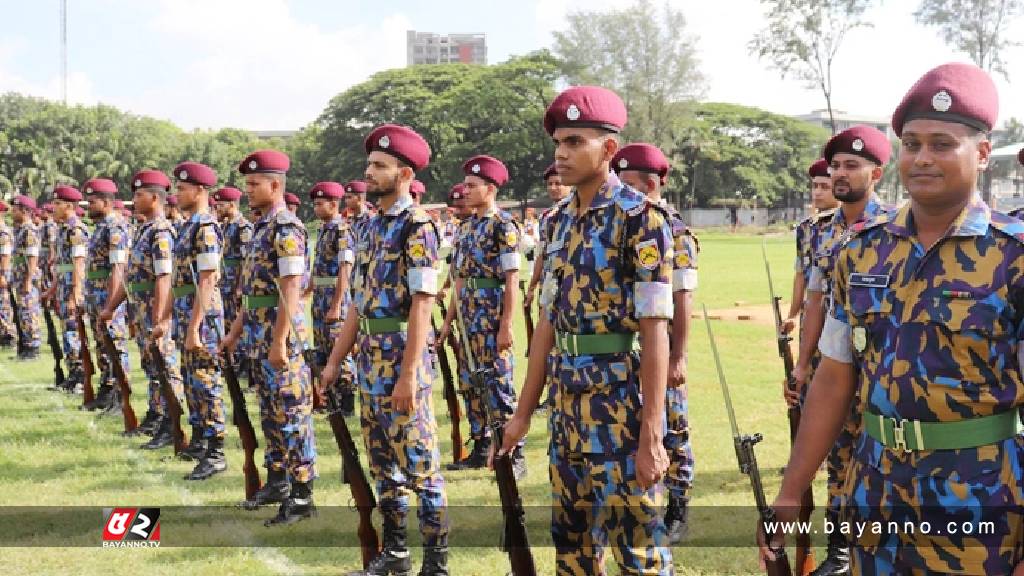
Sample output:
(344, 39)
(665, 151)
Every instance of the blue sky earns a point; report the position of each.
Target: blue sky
(274, 64)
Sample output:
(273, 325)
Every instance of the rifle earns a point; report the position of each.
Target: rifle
(55, 347)
(744, 446)
(240, 418)
(451, 396)
(515, 540)
(88, 394)
(114, 357)
(804, 550)
(353, 474)
(22, 337)
(174, 410)
(528, 314)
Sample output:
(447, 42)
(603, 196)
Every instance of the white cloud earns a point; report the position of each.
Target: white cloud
(80, 88)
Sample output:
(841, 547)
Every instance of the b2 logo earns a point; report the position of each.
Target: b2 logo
(131, 524)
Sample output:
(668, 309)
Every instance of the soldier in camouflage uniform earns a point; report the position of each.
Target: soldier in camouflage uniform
(108, 255)
(26, 276)
(199, 317)
(69, 274)
(237, 235)
(8, 329)
(271, 284)
(486, 268)
(332, 268)
(926, 323)
(607, 277)
(357, 211)
(645, 168)
(48, 238)
(395, 281)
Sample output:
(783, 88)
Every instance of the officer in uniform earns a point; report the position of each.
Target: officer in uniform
(292, 202)
(69, 273)
(925, 323)
(357, 211)
(824, 205)
(199, 317)
(8, 329)
(26, 275)
(486, 268)
(107, 257)
(271, 293)
(395, 281)
(607, 276)
(557, 193)
(237, 235)
(48, 235)
(173, 212)
(645, 168)
(332, 269)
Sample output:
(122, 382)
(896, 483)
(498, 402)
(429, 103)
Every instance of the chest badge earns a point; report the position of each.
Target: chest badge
(860, 339)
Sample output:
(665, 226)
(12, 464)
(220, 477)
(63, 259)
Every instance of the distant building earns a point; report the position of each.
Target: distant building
(282, 134)
(430, 48)
(845, 120)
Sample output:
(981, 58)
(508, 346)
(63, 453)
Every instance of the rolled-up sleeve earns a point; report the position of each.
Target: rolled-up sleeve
(836, 340)
(421, 254)
(652, 253)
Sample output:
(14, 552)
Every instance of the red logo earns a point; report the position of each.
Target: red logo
(131, 525)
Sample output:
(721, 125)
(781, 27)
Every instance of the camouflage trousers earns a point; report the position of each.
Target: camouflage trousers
(476, 410)
(499, 395)
(597, 504)
(69, 335)
(29, 311)
(204, 391)
(938, 512)
(404, 457)
(324, 335)
(117, 329)
(838, 462)
(169, 352)
(286, 414)
(7, 327)
(679, 476)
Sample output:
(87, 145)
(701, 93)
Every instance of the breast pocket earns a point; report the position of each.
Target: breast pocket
(870, 310)
(965, 341)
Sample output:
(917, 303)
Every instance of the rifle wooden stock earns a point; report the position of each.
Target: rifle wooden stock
(355, 477)
(174, 410)
(240, 418)
(451, 398)
(88, 394)
(13, 295)
(515, 541)
(528, 316)
(114, 357)
(55, 347)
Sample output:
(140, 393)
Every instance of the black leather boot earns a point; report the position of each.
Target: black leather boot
(297, 506)
(435, 561)
(676, 516)
(163, 436)
(150, 423)
(114, 404)
(394, 559)
(212, 461)
(837, 558)
(274, 491)
(101, 400)
(196, 448)
(477, 458)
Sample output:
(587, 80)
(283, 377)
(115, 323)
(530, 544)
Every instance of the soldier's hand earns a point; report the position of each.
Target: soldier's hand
(785, 511)
(106, 315)
(328, 375)
(676, 372)
(651, 462)
(800, 373)
(1019, 570)
(3, 281)
(788, 325)
(514, 431)
(277, 356)
(528, 299)
(333, 315)
(504, 338)
(445, 329)
(158, 331)
(442, 295)
(403, 396)
(192, 340)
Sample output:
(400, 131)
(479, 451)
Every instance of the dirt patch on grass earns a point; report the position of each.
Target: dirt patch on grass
(743, 313)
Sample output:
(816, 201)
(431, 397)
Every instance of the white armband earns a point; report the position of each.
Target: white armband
(79, 251)
(423, 280)
(510, 261)
(684, 279)
(207, 261)
(836, 340)
(118, 256)
(32, 251)
(653, 300)
(291, 266)
(348, 256)
(161, 267)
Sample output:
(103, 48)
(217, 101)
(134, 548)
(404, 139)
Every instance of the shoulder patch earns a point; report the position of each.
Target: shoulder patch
(286, 217)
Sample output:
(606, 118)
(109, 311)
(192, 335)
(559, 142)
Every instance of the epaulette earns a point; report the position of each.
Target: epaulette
(1008, 225)
(505, 216)
(824, 215)
(873, 222)
(631, 201)
(285, 217)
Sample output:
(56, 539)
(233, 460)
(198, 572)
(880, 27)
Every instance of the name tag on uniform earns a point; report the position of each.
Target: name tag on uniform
(869, 280)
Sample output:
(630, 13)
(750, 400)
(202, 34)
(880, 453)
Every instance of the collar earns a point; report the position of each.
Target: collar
(402, 203)
(973, 220)
(273, 212)
(605, 196)
(872, 208)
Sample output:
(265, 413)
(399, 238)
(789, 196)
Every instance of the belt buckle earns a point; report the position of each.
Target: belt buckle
(899, 434)
(364, 325)
(574, 343)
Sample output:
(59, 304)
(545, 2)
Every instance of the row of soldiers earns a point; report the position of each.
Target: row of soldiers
(613, 273)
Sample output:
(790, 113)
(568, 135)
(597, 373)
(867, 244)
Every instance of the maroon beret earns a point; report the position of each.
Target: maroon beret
(265, 162)
(172, 200)
(48, 207)
(586, 107)
(154, 178)
(355, 187)
(1020, 156)
(458, 192)
(195, 173)
(401, 142)
(329, 190)
(959, 93)
(79, 211)
(416, 188)
(550, 171)
(100, 186)
(24, 202)
(67, 193)
(126, 213)
(487, 167)
(819, 169)
(641, 157)
(864, 141)
(227, 194)
(291, 199)
(119, 204)
(3, 207)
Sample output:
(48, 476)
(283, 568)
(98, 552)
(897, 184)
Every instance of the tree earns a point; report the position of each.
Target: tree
(643, 54)
(977, 27)
(803, 37)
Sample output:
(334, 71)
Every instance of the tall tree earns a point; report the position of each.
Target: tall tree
(977, 27)
(645, 55)
(803, 37)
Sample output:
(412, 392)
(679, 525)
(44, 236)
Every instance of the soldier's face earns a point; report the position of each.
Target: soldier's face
(325, 209)
(939, 161)
(18, 214)
(556, 191)
(478, 192)
(852, 177)
(382, 174)
(97, 207)
(352, 202)
(582, 154)
(188, 195)
(143, 201)
(821, 193)
(260, 190)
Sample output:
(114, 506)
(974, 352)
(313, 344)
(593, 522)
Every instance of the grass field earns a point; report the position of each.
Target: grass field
(51, 454)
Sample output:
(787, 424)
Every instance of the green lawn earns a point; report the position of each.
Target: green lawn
(51, 454)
